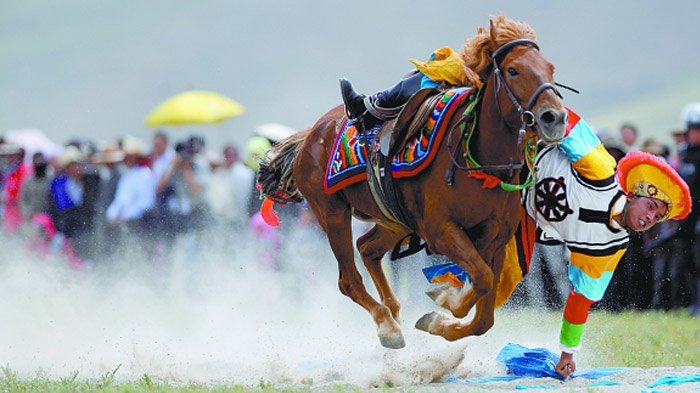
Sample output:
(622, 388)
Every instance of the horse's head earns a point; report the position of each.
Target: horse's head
(524, 80)
(507, 58)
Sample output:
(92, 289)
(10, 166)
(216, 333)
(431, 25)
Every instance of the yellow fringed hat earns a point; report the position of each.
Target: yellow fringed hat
(646, 175)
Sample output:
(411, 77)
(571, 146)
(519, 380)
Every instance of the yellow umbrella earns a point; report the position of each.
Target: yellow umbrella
(194, 107)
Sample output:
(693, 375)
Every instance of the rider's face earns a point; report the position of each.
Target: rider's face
(643, 212)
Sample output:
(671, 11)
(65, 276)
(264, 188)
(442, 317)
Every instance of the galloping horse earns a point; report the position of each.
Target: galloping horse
(468, 224)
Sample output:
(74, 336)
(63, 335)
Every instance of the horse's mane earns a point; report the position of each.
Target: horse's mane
(477, 51)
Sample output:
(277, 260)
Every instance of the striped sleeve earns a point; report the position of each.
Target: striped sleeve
(585, 151)
(589, 276)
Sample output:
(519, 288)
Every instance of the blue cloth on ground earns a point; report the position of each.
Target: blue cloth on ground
(674, 380)
(541, 362)
(526, 362)
(524, 387)
(522, 362)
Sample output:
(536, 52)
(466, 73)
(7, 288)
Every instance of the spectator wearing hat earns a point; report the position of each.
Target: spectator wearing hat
(108, 161)
(128, 213)
(67, 208)
(134, 194)
(689, 169)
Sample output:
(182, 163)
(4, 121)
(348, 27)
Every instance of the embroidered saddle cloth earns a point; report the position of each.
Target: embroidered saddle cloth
(348, 160)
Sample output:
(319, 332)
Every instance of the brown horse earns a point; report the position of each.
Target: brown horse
(465, 222)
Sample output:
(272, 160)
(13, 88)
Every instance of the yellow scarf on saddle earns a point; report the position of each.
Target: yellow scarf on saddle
(445, 65)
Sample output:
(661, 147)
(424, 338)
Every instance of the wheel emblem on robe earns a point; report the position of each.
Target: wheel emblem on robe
(550, 199)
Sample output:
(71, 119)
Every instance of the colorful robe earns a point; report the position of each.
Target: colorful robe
(573, 199)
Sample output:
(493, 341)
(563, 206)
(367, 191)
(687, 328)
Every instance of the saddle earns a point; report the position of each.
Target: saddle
(389, 140)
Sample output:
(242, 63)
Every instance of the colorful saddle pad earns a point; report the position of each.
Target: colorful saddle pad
(348, 161)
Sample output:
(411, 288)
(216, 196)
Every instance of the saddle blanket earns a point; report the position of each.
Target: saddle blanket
(348, 160)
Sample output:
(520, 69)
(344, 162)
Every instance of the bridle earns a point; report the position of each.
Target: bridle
(527, 118)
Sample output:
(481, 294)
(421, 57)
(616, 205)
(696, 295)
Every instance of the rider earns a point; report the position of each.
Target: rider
(445, 66)
(579, 199)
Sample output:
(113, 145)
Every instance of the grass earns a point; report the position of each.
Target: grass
(10, 383)
(629, 339)
(644, 339)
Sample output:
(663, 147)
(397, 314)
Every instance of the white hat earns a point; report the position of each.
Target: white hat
(9, 149)
(691, 114)
(70, 154)
(134, 146)
(274, 131)
(109, 153)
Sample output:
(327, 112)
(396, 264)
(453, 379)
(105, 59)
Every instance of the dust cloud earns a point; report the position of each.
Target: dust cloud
(218, 316)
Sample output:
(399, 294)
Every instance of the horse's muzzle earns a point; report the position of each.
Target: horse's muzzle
(551, 124)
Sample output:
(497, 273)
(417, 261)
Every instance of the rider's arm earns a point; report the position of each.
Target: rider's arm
(590, 276)
(585, 151)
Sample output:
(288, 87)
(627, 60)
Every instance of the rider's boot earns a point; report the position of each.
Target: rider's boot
(381, 106)
(354, 102)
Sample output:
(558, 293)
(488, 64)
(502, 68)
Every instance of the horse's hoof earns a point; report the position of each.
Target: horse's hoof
(437, 290)
(424, 322)
(394, 341)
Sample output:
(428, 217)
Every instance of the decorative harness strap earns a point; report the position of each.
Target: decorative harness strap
(477, 170)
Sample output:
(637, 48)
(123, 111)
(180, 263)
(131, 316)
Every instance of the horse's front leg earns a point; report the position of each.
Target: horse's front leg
(456, 245)
(335, 221)
(373, 245)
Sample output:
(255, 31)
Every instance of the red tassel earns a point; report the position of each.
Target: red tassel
(268, 213)
(490, 181)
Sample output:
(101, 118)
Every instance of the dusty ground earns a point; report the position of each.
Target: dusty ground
(224, 320)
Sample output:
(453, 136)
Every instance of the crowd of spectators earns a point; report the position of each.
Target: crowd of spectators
(124, 200)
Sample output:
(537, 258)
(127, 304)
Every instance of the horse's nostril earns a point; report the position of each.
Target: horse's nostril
(547, 117)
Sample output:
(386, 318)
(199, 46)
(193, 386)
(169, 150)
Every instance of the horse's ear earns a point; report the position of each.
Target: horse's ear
(492, 31)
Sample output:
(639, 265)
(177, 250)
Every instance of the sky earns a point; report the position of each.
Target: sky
(96, 69)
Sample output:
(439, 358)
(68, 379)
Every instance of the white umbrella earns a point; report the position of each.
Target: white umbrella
(274, 131)
(32, 141)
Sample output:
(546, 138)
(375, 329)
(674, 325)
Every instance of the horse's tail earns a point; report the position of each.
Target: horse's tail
(276, 174)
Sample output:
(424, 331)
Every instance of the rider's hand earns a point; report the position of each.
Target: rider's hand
(566, 365)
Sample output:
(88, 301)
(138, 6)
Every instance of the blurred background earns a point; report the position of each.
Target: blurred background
(74, 68)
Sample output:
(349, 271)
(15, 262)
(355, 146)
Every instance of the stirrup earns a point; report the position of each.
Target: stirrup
(379, 112)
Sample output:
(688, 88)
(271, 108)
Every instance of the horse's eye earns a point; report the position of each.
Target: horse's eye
(512, 71)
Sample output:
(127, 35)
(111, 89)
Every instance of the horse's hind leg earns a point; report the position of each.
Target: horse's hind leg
(372, 246)
(456, 245)
(452, 328)
(335, 219)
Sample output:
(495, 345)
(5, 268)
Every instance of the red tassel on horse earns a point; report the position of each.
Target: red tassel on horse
(490, 181)
(268, 213)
